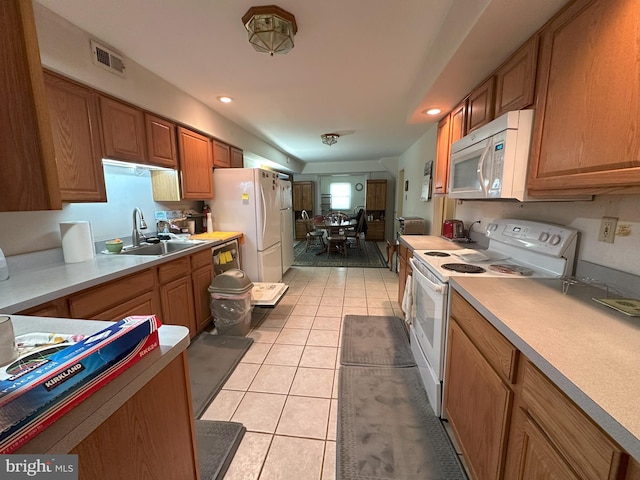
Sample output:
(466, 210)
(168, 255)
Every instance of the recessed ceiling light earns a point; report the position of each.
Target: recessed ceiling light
(432, 111)
(224, 99)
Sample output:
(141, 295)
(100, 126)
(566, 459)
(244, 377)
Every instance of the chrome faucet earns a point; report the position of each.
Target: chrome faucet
(135, 235)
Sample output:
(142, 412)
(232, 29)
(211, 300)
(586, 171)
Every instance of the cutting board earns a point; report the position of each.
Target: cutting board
(216, 235)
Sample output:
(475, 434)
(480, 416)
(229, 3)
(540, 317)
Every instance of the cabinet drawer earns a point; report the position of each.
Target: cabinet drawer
(174, 269)
(145, 304)
(98, 299)
(201, 259)
(587, 449)
(497, 349)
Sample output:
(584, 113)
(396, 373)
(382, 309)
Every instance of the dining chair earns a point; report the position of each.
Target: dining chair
(356, 233)
(314, 236)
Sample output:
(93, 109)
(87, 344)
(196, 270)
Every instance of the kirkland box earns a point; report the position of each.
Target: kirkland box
(44, 384)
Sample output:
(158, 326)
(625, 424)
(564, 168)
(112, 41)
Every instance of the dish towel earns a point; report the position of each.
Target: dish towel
(407, 300)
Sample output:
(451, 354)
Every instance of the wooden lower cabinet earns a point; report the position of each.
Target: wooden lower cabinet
(404, 269)
(375, 231)
(510, 420)
(177, 304)
(56, 308)
(540, 461)
(477, 403)
(150, 436)
(201, 280)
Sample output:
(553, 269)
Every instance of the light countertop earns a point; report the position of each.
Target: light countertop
(40, 284)
(591, 352)
(73, 427)
(431, 242)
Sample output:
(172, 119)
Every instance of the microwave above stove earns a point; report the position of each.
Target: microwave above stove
(492, 161)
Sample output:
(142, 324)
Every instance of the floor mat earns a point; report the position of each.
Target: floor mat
(368, 257)
(375, 341)
(387, 430)
(217, 444)
(212, 359)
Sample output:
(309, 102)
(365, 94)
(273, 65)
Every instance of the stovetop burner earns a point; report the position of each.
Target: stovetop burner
(437, 254)
(463, 268)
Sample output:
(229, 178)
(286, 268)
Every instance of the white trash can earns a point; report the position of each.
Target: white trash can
(231, 302)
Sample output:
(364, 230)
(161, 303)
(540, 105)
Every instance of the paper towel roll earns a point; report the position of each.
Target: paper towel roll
(77, 241)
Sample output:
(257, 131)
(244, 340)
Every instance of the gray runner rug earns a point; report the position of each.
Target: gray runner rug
(387, 429)
(375, 341)
(217, 444)
(212, 359)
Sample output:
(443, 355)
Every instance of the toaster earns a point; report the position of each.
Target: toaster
(453, 229)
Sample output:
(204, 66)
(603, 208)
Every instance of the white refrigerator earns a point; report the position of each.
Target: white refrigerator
(247, 200)
(286, 224)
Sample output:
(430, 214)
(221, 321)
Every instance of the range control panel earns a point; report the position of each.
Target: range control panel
(536, 236)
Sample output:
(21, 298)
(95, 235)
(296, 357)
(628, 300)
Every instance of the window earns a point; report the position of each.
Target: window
(340, 196)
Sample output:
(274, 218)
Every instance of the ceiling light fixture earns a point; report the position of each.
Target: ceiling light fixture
(225, 99)
(270, 28)
(432, 111)
(329, 138)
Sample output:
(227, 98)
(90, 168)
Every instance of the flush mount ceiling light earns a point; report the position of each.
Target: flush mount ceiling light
(432, 111)
(329, 138)
(225, 99)
(270, 28)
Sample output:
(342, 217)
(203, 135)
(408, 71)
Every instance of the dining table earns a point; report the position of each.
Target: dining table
(332, 229)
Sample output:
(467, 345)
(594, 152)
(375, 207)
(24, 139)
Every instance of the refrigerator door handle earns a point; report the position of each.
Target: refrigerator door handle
(264, 211)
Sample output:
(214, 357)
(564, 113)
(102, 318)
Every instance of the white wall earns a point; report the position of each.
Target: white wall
(623, 254)
(25, 232)
(65, 48)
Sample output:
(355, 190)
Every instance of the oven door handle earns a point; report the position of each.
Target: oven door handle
(416, 270)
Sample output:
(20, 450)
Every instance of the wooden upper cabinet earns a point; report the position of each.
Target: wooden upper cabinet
(123, 130)
(75, 122)
(516, 79)
(441, 173)
(237, 158)
(221, 155)
(302, 198)
(588, 102)
(28, 175)
(480, 108)
(161, 141)
(376, 195)
(458, 122)
(196, 165)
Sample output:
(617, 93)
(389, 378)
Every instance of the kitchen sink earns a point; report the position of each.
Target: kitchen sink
(162, 248)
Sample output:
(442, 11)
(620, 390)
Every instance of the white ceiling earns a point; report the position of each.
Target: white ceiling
(365, 69)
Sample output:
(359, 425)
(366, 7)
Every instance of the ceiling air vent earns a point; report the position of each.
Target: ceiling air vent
(107, 58)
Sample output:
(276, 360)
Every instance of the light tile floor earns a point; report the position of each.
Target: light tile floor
(284, 390)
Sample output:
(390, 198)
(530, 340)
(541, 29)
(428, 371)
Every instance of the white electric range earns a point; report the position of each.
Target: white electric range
(517, 249)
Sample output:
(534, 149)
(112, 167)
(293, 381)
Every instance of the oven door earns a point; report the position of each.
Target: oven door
(428, 330)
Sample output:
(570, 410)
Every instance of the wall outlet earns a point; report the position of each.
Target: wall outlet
(607, 229)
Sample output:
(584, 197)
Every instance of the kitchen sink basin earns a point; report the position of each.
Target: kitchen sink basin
(162, 248)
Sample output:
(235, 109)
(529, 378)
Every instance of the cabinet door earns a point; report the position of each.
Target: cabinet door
(150, 436)
(540, 461)
(376, 198)
(237, 158)
(516, 79)
(161, 141)
(307, 197)
(201, 280)
(480, 108)
(196, 165)
(477, 403)
(124, 131)
(588, 102)
(75, 122)
(458, 122)
(441, 174)
(177, 304)
(28, 175)
(221, 155)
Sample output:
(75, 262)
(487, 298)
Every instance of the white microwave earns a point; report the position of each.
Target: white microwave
(492, 161)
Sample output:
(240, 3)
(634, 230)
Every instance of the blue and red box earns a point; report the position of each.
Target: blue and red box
(33, 399)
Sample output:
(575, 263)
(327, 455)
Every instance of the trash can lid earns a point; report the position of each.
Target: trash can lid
(233, 281)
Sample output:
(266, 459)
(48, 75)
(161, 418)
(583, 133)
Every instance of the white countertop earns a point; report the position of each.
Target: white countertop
(430, 242)
(33, 286)
(591, 352)
(73, 427)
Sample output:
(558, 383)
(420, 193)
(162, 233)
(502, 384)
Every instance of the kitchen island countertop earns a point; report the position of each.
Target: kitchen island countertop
(591, 352)
(73, 427)
(36, 285)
